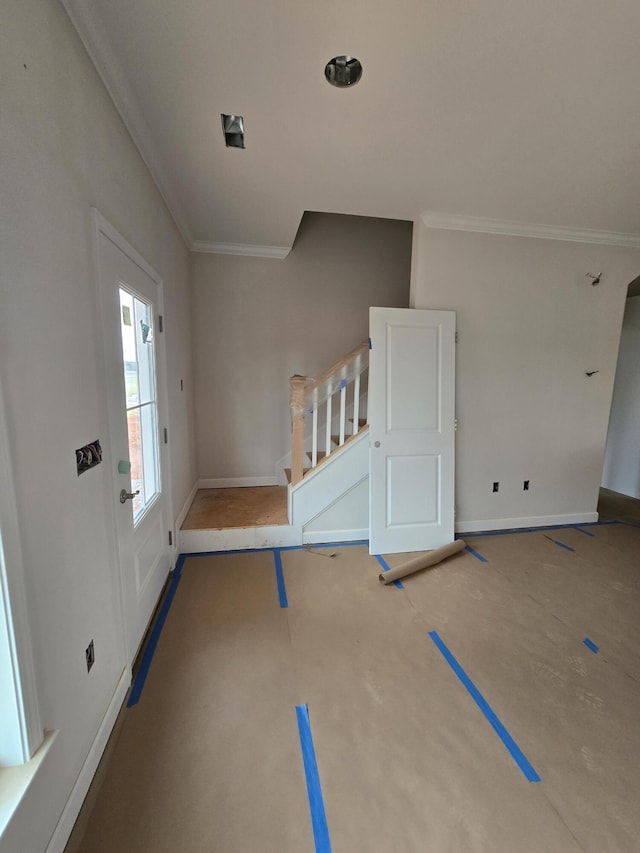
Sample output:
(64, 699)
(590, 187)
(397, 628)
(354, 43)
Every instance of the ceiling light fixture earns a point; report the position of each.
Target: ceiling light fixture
(343, 71)
(233, 129)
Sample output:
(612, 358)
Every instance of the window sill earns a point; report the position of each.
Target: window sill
(14, 781)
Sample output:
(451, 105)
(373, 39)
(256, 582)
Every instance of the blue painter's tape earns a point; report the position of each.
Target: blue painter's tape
(282, 591)
(270, 548)
(141, 677)
(314, 791)
(386, 567)
(517, 530)
(476, 555)
(586, 532)
(562, 545)
(516, 753)
(343, 384)
(318, 545)
(590, 645)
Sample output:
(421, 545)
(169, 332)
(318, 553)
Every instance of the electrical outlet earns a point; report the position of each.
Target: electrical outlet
(525, 488)
(90, 655)
(496, 487)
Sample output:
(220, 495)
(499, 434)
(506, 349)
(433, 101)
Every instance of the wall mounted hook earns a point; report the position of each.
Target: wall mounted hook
(590, 373)
(595, 279)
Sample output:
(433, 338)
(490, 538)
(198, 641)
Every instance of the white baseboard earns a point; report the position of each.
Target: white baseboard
(187, 505)
(532, 521)
(74, 803)
(236, 482)
(315, 537)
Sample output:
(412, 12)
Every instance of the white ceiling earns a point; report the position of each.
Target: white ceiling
(522, 110)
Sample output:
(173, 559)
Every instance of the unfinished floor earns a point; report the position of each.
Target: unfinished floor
(252, 506)
(209, 759)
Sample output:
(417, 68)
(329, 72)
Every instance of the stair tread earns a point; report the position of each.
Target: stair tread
(287, 473)
(321, 454)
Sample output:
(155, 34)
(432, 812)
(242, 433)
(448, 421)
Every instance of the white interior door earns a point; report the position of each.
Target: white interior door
(411, 427)
(130, 300)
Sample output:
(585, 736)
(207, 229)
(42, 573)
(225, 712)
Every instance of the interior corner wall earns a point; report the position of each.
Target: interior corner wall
(256, 322)
(65, 150)
(530, 325)
(622, 455)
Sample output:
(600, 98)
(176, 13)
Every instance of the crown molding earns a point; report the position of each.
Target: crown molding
(248, 250)
(100, 51)
(513, 228)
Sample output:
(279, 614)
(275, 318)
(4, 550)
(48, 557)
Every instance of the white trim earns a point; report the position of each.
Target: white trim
(532, 521)
(237, 482)
(25, 727)
(513, 228)
(333, 503)
(76, 798)
(103, 226)
(328, 482)
(330, 460)
(315, 537)
(187, 506)
(96, 42)
(239, 538)
(248, 250)
(15, 781)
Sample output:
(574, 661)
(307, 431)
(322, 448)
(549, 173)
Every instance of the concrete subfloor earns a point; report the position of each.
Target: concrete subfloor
(251, 506)
(210, 760)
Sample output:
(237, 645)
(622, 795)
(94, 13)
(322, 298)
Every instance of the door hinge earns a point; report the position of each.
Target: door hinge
(160, 323)
(170, 538)
(457, 337)
(166, 436)
(455, 425)
(370, 344)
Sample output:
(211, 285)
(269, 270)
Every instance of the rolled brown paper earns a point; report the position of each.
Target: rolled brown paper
(422, 562)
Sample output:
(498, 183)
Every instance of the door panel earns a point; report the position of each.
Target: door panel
(130, 300)
(413, 486)
(411, 417)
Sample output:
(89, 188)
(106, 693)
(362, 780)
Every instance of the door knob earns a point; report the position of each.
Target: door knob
(376, 444)
(127, 496)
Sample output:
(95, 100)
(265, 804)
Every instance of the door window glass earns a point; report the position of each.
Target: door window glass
(138, 353)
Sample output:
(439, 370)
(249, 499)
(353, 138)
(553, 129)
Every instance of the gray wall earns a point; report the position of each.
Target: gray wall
(258, 321)
(63, 150)
(530, 326)
(622, 456)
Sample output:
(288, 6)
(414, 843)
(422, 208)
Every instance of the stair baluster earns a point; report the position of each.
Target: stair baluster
(307, 396)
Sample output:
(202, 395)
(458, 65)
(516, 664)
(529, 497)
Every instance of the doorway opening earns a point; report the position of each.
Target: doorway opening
(620, 491)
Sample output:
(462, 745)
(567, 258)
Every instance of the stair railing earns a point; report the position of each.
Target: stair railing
(312, 409)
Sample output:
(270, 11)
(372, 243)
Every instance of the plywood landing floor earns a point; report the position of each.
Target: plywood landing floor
(210, 758)
(219, 509)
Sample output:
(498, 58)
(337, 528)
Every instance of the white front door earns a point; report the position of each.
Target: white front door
(411, 427)
(130, 302)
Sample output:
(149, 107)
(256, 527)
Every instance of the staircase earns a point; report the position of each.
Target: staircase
(328, 480)
(320, 409)
(328, 495)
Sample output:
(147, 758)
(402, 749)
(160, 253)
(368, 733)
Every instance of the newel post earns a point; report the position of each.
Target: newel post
(297, 384)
